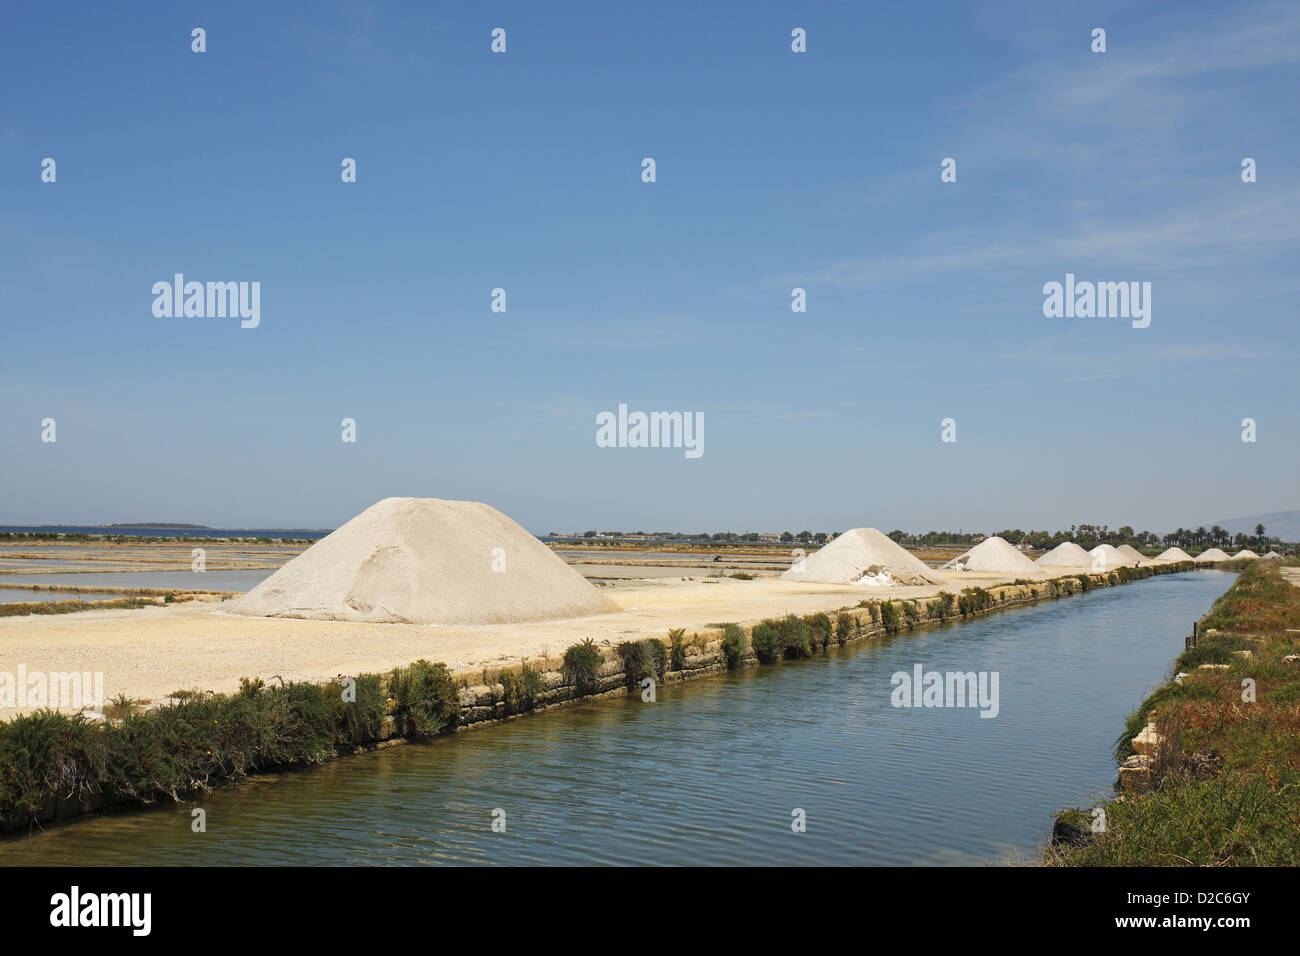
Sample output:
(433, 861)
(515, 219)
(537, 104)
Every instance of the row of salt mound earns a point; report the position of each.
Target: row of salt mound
(996, 556)
(862, 556)
(1066, 555)
(1130, 552)
(1105, 556)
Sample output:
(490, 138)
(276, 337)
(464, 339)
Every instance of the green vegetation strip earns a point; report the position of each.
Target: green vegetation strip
(68, 607)
(1223, 787)
(198, 739)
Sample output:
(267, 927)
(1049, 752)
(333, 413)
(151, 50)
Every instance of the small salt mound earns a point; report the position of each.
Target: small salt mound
(1106, 556)
(1214, 554)
(862, 556)
(1066, 555)
(1174, 554)
(1130, 553)
(426, 561)
(1272, 556)
(996, 556)
(1245, 553)
(876, 577)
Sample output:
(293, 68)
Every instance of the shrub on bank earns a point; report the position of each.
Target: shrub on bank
(426, 698)
(973, 601)
(941, 607)
(656, 655)
(911, 614)
(846, 627)
(581, 662)
(642, 659)
(677, 648)
(820, 630)
(766, 641)
(733, 645)
(520, 693)
(796, 637)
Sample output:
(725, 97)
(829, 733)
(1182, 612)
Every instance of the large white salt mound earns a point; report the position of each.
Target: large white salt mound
(996, 556)
(1106, 556)
(1214, 554)
(1244, 553)
(1067, 554)
(1130, 553)
(426, 561)
(862, 556)
(1173, 554)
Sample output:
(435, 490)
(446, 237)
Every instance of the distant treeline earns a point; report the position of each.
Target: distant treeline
(1086, 535)
(600, 537)
(171, 525)
(1089, 536)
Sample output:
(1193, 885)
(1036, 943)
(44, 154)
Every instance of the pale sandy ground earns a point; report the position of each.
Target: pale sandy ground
(149, 653)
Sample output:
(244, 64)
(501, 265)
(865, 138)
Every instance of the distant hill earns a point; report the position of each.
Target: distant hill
(1279, 524)
(159, 524)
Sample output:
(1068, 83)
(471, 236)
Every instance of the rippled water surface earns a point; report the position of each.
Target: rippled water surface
(710, 773)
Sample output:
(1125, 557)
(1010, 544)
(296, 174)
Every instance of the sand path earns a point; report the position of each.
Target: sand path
(149, 653)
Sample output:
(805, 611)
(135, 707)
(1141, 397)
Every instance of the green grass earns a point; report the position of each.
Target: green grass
(1233, 820)
(1225, 787)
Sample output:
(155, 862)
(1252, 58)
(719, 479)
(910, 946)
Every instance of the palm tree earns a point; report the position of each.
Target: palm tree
(1200, 535)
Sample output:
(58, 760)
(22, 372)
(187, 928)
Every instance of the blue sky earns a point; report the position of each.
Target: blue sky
(774, 169)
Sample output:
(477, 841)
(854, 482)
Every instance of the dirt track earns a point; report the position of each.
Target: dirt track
(151, 652)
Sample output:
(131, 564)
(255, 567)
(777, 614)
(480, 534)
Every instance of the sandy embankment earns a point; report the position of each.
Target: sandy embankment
(149, 653)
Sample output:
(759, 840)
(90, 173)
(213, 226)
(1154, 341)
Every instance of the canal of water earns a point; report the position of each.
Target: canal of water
(714, 771)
